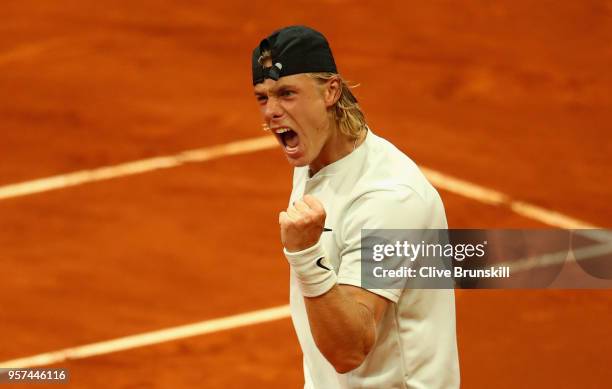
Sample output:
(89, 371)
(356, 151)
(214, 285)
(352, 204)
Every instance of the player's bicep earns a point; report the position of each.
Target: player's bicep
(374, 303)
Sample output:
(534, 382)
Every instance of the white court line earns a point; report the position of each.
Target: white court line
(438, 179)
(599, 235)
(492, 197)
(150, 338)
(135, 167)
(545, 260)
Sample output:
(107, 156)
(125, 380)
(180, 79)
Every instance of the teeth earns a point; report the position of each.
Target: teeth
(281, 130)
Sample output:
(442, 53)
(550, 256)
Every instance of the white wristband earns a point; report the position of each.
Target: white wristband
(314, 273)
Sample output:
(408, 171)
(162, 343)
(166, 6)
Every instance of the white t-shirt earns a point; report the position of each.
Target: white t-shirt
(378, 187)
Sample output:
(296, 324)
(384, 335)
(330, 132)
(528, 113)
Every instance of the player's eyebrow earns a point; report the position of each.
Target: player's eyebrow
(275, 90)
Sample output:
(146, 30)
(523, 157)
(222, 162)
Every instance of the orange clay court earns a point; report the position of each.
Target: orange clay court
(506, 98)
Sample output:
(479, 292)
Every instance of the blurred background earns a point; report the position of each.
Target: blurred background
(512, 97)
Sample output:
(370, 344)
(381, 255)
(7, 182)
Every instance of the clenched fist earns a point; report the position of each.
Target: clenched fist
(302, 224)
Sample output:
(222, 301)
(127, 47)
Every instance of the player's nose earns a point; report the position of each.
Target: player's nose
(273, 110)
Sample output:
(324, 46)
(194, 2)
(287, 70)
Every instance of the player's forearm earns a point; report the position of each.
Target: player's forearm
(344, 330)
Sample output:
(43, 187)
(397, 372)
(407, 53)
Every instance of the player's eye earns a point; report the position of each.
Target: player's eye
(261, 98)
(287, 93)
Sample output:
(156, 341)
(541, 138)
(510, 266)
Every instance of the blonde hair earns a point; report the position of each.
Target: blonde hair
(346, 112)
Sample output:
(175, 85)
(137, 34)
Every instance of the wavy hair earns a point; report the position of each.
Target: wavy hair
(346, 112)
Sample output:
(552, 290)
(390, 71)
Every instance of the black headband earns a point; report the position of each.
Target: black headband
(294, 50)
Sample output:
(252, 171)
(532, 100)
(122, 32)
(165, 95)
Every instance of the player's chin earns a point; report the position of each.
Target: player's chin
(297, 162)
(298, 157)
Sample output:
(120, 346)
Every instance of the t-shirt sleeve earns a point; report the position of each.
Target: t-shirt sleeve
(397, 209)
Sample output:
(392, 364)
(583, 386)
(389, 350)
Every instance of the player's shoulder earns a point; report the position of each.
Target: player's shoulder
(391, 173)
(392, 192)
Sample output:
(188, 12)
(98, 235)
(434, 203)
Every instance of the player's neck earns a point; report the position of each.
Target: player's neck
(338, 146)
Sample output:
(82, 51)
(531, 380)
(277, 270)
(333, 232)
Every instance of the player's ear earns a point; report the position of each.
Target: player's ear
(333, 88)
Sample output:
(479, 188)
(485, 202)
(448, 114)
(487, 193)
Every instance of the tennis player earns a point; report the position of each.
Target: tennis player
(347, 179)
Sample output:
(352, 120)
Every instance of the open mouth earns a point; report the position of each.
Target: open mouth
(288, 138)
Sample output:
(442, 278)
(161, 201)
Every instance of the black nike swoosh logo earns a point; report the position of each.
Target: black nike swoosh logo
(322, 266)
